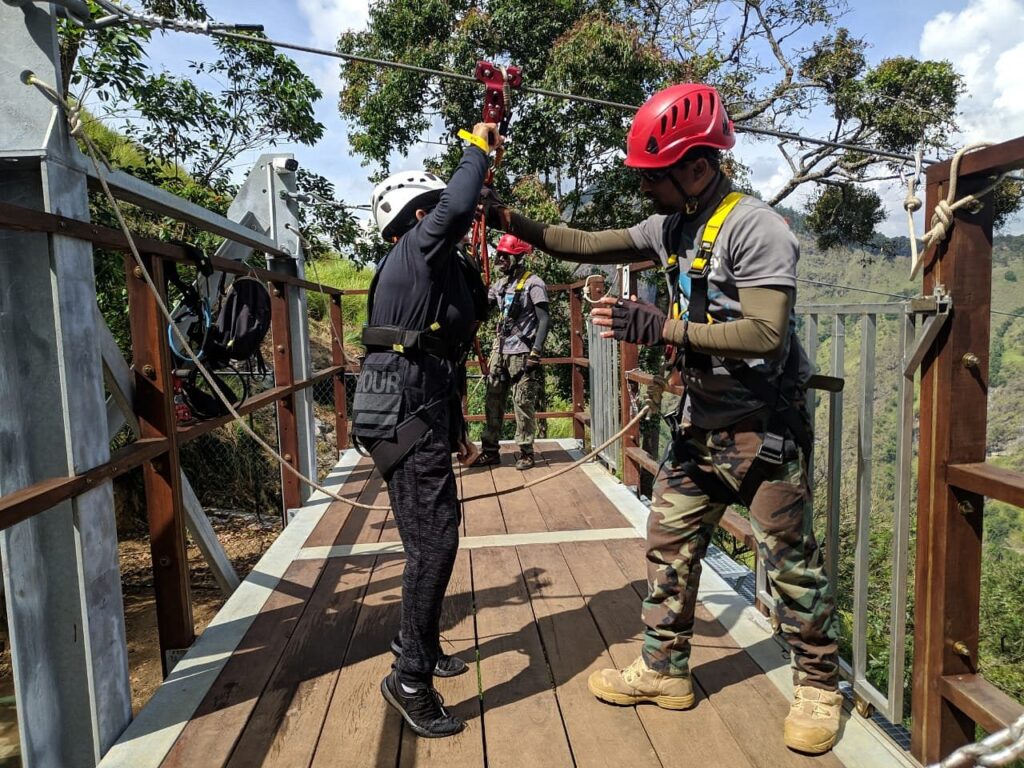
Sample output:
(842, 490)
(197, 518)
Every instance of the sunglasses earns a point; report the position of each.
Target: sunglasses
(654, 175)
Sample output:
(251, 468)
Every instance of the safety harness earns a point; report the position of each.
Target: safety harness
(506, 325)
(785, 430)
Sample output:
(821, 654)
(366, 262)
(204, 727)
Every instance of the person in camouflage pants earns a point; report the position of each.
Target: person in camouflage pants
(683, 517)
(511, 372)
(522, 300)
(730, 263)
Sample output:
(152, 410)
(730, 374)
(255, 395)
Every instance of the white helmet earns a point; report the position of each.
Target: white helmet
(396, 200)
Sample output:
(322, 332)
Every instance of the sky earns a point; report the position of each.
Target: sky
(984, 39)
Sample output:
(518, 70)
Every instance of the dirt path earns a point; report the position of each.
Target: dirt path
(244, 538)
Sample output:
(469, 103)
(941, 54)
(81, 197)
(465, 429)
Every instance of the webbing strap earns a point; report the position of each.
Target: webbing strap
(700, 268)
(701, 265)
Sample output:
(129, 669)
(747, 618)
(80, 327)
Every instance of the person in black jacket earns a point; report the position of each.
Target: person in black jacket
(407, 410)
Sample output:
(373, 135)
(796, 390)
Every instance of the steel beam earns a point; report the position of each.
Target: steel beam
(61, 568)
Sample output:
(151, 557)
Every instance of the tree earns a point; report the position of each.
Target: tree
(842, 213)
(190, 129)
(776, 63)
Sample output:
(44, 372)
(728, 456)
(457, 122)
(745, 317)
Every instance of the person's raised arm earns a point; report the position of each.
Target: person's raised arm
(444, 226)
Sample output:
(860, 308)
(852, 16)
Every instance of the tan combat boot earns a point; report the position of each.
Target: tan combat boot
(813, 720)
(636, 683)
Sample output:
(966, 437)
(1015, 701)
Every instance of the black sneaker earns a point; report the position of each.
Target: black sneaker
(422, 710)
(447, 666)
(487, 458)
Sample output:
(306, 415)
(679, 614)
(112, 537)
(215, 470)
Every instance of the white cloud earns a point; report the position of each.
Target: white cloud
(327, 19)
(983, 41)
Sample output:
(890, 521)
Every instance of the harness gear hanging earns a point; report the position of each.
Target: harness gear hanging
(510, 313)
(499, 82)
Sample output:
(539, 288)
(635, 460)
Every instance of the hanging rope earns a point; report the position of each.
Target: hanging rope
(72, 114)
(75, 127)
(942, 216)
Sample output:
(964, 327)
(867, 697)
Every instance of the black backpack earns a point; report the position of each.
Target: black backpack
(242, 323)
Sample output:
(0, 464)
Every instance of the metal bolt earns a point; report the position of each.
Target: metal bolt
(965, 507)
(288, 457)
(165, 561)
(969, 360)
(960, 649)
(137, 272)
(149, 371)
(864, 708)
(280, 348)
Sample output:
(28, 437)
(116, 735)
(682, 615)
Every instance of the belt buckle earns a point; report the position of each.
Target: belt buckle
(700, 267)
(772, 449)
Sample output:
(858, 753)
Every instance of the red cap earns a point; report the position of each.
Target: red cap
(512, 244)
(674, 121)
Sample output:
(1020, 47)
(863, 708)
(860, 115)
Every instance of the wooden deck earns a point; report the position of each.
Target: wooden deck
(535, 604)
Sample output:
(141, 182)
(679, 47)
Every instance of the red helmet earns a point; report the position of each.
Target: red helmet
(675, 120)
(512, 244)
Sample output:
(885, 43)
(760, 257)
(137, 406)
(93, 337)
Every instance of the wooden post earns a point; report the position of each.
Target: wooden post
(954, 386)
(575, 352)
(338, 358)
(629, 355)
(154, 404)
(287, 418)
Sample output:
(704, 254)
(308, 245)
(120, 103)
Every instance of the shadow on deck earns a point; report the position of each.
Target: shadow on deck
(547, 588)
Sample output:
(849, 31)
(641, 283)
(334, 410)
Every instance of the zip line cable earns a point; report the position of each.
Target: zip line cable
(224, 31)
(75, 128)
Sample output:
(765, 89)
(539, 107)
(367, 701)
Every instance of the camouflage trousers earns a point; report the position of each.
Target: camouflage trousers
(525, 390)
(679, 531)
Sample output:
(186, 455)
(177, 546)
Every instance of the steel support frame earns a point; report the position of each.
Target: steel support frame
(265, 203)
(61, 568)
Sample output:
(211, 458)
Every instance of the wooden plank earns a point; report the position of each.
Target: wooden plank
(361, 729)
(597, 509)
(338, 359)
(1000, 158)
(162, 477)
(598, 734)
(210, 735)
(481, 516)
(988, 706)
(287, 414)
(953, 421)
(343, 524)
(474, 417)
(460, 693)
(560, 504)
(517, 507)
(15, 217)
(576, 350)
(701, 734)
(989, 481)
(518, 697)
(38, 497)
(745, 698)
(285, 724)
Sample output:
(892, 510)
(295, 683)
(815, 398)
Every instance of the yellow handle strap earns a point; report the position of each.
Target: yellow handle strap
(475, 140)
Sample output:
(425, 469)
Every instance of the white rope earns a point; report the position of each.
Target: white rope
(1001, 748)
(94, 153)
(75, 126)
(942, 216)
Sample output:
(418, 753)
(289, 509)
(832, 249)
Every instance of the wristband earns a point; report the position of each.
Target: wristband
(475, 140)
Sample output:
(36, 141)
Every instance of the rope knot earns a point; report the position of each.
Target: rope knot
(912, 203)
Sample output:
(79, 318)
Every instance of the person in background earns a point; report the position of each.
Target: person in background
(523, 320)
